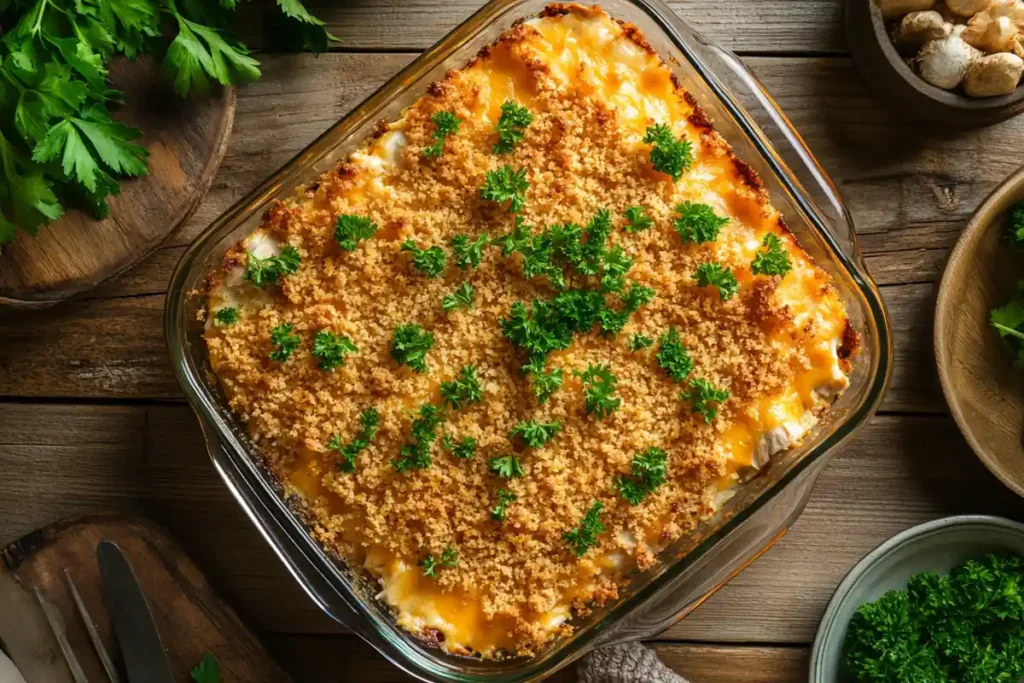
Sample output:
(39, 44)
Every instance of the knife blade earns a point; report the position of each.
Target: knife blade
(145, 658)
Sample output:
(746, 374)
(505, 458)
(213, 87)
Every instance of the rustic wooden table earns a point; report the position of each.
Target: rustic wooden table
(91, 417)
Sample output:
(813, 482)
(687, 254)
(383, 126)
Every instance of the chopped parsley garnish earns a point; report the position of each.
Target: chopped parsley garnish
(266, 271)
(226, 317)
(701, 395)
(416, 454)
(506, 185)
(369, 423)
(511, 127)
(445, 124)
(410, 346)
(538, 330)
(697, 222)
(647, 472)
(431, 262)
(535, 434)
(773, 260)
(614, 266)
(284, 342)
(636, 296)
(351, 229)
(331, 349)
(584, 536)
(639, 342)
(598, 386)
(463, 389)
(462, 297)
(464, 449)
(468, 253)
(505, 498)
(449, 558)
(638, 219)
(668, 154)
(673, 356)
(506, 467)
(546, 382)
(517, 240)
(718, 276)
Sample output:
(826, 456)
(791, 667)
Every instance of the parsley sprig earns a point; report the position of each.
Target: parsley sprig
(369, 423)
(546, 382)
(638, 219)
(505, 498)
(226, 317)
(266, 271)
(506, 185)
(415, 455)
(705, 398)
(584, 537)
(462, 297)
(331, 349)
(506, 467)
(449, 558)
(350, 229)
(1008, 319)
(697, 223)
(431, 262)
(673, 357)
(599, 384)
(639, 342)
(468, 252)
(462, 390)
(535, 434)
(463, 449)
(410, 345)
(445, 124)
(208, 670)
(511, 127)
(718, 276)
(669, 154)
(284, 341)
(773, 259)
(647, 472)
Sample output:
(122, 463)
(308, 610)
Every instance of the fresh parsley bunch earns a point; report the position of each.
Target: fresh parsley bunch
(1008, 319)
(59, 145)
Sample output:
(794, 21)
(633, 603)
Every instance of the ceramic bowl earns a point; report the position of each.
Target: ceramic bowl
(984, 391)
(937, 546)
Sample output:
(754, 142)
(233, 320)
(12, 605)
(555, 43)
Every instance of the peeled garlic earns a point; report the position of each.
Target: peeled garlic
(994, 75)
(1012, 9)
(968, 8)
(894, 9)
(991, 34)
(918, 28)
(944, 62)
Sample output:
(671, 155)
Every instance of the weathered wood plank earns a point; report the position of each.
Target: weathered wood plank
(765, 26)
(326, 659)
(62, 460)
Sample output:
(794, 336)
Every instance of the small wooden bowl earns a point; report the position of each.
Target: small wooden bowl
(984, 391)
(894, 82)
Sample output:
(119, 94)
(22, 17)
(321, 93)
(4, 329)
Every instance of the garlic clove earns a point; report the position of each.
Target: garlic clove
(918, 28)
(968, 8)
(1011, 9)
(944, 62)
(894, 9)
(994, 75)
(991, 34)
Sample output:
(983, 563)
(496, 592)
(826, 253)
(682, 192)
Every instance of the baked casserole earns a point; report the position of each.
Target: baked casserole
(532, 332)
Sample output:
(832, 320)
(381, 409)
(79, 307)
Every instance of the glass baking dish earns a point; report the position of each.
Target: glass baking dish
(697, 564)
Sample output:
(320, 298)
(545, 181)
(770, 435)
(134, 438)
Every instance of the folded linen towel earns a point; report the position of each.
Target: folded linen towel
(625, 663)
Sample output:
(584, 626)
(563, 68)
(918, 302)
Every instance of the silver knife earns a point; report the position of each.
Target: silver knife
(144, 656)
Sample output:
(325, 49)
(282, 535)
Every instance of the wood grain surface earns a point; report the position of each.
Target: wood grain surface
(91, 418)
(186, 139)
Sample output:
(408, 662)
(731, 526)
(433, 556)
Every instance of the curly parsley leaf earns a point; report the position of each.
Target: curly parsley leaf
(673, 357)
(635, 297)
(284, 341)
(369, 423)
(464, 449)
(584, 537)
(511, 127)
(773, 259)
(449, 558)
(718, 276)
(445, 124)
(535, 434)
(331, 349)
(506, 185)
(208, 670)
(506, 467)
(431, 262)
(647, 472)
(546, 383)
(505, 498)
(468, 252)
(351, 229)
(415, 455)
(462, 390)
(462, 297)
(668, 154)
(599, 385)
(638, 219)
(701, 395)
(226, 317)
(410, 345)
(697, 223)
(266, 271)
(639, 342)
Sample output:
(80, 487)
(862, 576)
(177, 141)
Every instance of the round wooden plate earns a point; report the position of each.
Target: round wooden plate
(186, 139)
(984, 391)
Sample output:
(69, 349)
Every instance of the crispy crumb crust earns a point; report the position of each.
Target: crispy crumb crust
(579, 162)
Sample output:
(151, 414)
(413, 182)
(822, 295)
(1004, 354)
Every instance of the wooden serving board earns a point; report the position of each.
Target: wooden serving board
(192, 620)
(186, 139)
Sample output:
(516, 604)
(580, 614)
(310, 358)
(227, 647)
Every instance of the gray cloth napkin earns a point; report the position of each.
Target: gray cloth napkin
(626, 663)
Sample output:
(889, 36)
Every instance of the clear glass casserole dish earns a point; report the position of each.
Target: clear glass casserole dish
(696, 565)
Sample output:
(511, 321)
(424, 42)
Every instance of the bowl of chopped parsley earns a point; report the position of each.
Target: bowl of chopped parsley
(942, 602)
(979, 332)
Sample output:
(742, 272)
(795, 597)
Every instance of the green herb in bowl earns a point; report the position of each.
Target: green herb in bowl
(966, 626)
(1008, 319)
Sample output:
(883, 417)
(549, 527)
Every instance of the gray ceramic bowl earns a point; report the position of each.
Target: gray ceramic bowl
(936, 546)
